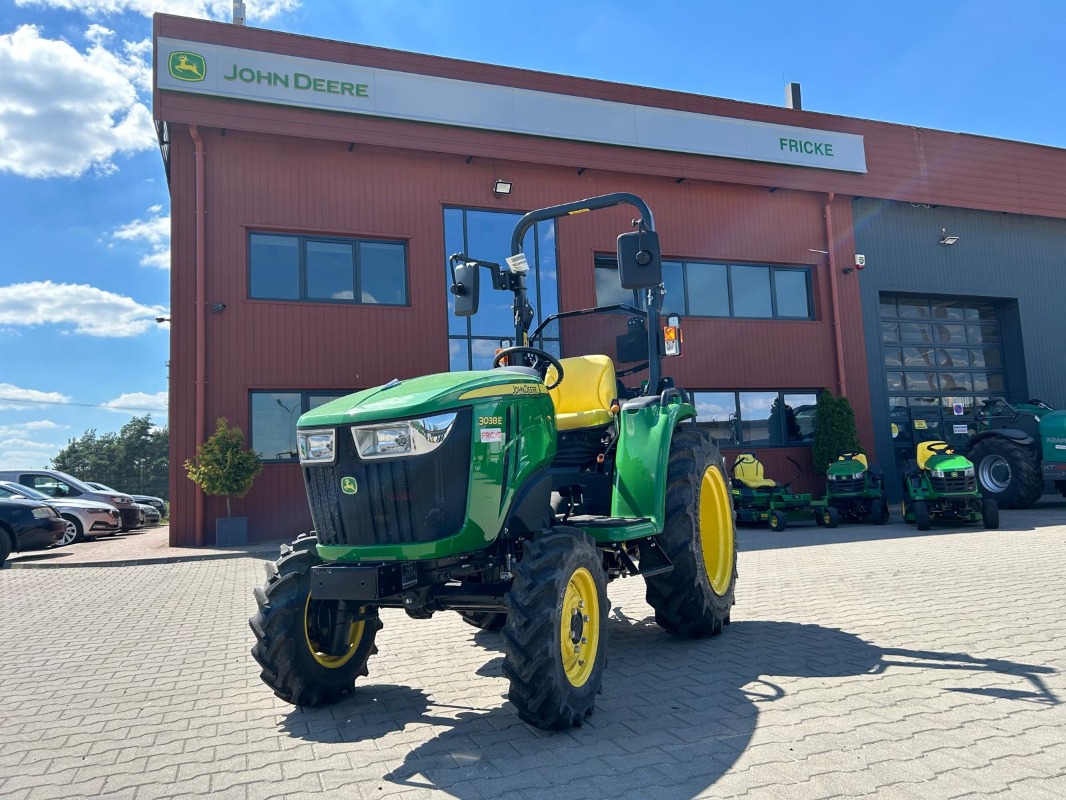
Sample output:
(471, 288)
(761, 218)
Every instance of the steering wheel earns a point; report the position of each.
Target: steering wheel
(939, 448)
(543, 361)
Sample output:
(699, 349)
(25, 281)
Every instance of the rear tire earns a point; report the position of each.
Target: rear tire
(777, 521)
(5, 545)
(878, 512)
(695, 598)
(289, 625)
(921, 515)
(1008, 472)
(555, 638)
(485, 620)
(831, 517)
(990, 513)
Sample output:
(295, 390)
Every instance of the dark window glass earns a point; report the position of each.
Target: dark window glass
(799, 417)
(330, 271)
(888, 306)
(547, 271)
(274, 416)
(708, 289)
(483, 351)
(923, 402)
(913, 308)
(453, 243)
(946, 309)
(948, 405)
(918, 356)
(755, 408)
(383, 273)
(894, 380)
(609, 291)
(920, 381)
(674, 281)
(751, 291)
(989, 357)
(458, 356)
(988, 382)
(275, 267)
(955, 382)
(948, 334)
(980, 311)
(893, 357)
(889, 331)
(790, 289)
(982, 334)
(914, 332)
(717, 411)
(953, 357)
(897, 408)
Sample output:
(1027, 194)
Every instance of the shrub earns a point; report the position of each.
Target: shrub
(834, 430)
(223, 467)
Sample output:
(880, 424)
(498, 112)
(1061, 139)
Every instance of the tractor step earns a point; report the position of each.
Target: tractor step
(631, 566)
(587, 521)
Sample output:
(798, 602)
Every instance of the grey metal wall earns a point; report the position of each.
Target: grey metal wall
(999, 257)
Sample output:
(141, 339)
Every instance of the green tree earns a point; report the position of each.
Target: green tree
(792, 430)
(834, 430)
(134, 460)
(223, 467)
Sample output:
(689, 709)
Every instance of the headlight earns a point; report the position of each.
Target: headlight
(43, 512)
(407, 437)
(316, 447)
(122, 501)
(858, 475)
(937, 473)
(968, 472)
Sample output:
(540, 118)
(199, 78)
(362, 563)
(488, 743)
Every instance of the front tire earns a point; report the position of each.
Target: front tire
(990, 513)
(290, 630)
(695, 598)
(879, 512)
(921, 515)
(1008, 473)
(74, 531)
(555, 638)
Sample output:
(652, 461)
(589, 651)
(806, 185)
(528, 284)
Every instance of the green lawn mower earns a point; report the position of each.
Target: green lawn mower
(759, 499)
(855, 491)
(944, 487)
(511, 496)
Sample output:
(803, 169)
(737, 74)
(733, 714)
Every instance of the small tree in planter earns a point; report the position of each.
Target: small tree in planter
(223, 467)
(834, 430)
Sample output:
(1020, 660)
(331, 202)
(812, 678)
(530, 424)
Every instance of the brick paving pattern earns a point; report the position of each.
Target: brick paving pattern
(905, 666)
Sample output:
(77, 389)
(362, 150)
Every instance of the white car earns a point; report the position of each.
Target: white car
(82, 517)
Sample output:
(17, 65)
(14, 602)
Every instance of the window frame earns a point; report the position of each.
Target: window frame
(739, 419)
(608, 261)
(305, 396)
(302, 240)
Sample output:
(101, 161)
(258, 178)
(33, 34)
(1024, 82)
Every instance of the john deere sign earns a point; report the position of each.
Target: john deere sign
(186, 66)
(257, 76)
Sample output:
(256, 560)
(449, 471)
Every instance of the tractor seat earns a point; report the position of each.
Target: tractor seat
(748, 470)
(925, 452)
(584, 397)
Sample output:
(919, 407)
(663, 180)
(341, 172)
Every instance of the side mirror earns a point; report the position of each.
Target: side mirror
(465, 289)
(639, 263)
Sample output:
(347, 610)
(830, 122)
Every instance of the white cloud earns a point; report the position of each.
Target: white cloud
(153, 231)
(11, 395)
(138, 402)
(91, 311)
(27, 444)
(63, 112)
(26, 428)
(256, 10)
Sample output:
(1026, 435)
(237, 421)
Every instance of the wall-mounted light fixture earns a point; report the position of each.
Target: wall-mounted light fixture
(947, 239)
(161, 320)
(501, 188)
(218, 308)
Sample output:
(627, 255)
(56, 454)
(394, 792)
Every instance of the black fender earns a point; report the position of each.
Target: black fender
(531, 509)
(1015, 435)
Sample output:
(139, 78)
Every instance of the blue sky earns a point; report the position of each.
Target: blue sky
(84, 268)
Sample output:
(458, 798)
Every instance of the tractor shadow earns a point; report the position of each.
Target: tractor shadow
(673, 718)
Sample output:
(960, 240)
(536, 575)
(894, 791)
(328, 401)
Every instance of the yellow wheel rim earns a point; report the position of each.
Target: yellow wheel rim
(716, 530)
(579, 627)
(355, 634)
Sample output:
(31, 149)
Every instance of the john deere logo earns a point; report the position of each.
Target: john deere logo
(186, 66)
(349, 486)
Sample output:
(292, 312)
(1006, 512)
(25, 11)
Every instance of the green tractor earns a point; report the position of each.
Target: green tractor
(1017, 449)
(944, 486)
(855, 491)
(759, 499)
(511, 496)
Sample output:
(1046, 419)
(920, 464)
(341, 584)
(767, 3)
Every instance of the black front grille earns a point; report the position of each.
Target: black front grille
(953, 485)
(402, 500)
(848, 485)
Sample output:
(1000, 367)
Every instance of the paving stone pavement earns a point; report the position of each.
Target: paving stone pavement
(905, 666)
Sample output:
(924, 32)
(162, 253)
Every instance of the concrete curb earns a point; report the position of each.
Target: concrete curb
(266, 555)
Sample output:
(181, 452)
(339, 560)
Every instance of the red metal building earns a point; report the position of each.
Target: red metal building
(295, 163)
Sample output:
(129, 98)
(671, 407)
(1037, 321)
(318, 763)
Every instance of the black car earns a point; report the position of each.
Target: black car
(158, 503)
(28, 525)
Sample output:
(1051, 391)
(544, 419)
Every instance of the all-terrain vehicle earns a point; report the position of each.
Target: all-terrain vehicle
(944, 486)
(511, 496)
(760, 499)
(1017, 448)
(855, 491)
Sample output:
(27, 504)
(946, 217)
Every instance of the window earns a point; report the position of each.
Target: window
(274, 416)
(702, 289)
(762, 418)
(486, 235)
(326, 270)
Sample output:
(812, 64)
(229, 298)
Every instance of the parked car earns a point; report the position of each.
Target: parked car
(28, 525)
(158, 503)
(151, 514)
(58, 485)
(82, 517)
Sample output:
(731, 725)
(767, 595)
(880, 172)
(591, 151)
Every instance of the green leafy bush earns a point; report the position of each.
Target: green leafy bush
(223, 467)
(834, 430)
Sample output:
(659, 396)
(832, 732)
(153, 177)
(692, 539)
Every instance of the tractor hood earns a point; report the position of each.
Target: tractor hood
(428, 394)
(949, 461)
